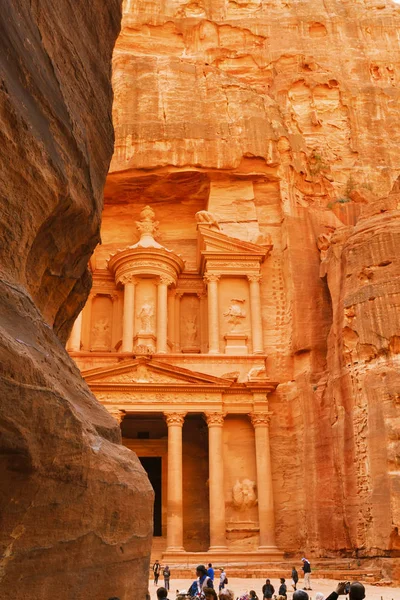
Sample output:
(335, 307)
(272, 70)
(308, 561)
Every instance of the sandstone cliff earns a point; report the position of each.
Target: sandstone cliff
(281, 118)
(75, 505)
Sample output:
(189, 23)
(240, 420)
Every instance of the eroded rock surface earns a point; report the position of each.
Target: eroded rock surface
(280, 118)
(75, 505)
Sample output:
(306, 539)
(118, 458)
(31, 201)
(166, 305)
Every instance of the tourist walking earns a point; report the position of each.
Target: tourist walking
(282, 588)
(268, 589)
(156, 571)
(223, 580)
(202, 581)
(307, 573)
(166, 575)
(210, 571)
(295, 578)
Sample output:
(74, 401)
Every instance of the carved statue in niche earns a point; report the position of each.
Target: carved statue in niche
(244, 494)
(203, 217)
(146, 316)
(101, 334)
(191, 329)
(235, 314)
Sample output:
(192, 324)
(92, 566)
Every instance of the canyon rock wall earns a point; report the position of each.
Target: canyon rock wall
(280, 118)
(75, 506)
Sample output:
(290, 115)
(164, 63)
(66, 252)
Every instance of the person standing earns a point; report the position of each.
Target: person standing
(307, 573)
(268, 589)
(295, 578)
(156, 571)
(222, 579)
(282, 588)
(210, 571)
(166, 575)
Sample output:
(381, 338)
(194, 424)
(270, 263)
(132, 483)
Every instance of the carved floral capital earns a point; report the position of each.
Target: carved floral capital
(118, 414)
(215, 419)
(166, 280)
(260, 419)
(254, 278)
(174, 418)
(210, 277)
(127, 278)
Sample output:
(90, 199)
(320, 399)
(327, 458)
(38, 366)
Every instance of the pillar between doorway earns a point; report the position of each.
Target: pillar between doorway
(129, 313)
(215, 422)
(213, 312)
(256, 318)
(260, 421)
(175, 422)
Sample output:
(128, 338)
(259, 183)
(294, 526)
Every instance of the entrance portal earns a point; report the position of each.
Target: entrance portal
(152, 466)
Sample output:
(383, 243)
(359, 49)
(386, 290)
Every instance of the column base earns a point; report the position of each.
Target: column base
(271, 549)
(174, 549)
(218, 549)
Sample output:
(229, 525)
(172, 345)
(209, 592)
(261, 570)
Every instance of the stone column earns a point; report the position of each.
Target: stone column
(162, 314)
(171, 318)
(215, 422)
(129, 315)
(255, 309)
(74, 344)
(175, 491)
(213, 313)
(178, 297)
(266, 515)
(203, 321)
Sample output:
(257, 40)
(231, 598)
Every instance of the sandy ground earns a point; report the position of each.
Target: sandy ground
(239, 586)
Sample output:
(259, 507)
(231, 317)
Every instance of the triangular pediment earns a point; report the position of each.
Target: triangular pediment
(147, 372)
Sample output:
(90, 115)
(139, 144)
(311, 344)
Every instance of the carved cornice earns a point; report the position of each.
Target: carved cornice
(175, 418)
(260, 419)
(214, 419)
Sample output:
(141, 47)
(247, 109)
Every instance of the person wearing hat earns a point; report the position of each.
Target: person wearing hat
(307, 573)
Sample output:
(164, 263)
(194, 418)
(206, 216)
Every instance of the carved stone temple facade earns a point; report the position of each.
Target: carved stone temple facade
(171, 343)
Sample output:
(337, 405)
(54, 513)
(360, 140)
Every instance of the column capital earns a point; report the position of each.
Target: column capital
(128, 278)
(119, 415)
(166, 280)
(175, 418)
(214, 419)
(254, 278)
(210, 277)
(260, 419)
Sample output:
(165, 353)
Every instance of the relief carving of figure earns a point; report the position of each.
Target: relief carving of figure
(101, 332)
(244, 494)
(235, 313)
(204, 217)
(146, 316)
(191, 329)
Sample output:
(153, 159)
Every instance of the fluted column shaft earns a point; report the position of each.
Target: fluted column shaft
(264, 480)
(76, 333)
(215, 422)
(129, 316)
(213, 313)
(162, 314)
(175, 493)
(256, 318)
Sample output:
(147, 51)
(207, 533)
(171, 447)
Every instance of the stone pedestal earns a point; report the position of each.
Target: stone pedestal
(236, 343)
(145, 343)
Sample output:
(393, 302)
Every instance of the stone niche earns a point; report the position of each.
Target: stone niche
(240, 476)
(190, 324)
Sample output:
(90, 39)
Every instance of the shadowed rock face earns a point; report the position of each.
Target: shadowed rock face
(75, 506)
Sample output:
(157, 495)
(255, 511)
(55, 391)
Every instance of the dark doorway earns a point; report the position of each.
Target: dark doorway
(152, 466)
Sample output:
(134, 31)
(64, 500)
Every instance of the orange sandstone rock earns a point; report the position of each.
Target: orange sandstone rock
(75, 505)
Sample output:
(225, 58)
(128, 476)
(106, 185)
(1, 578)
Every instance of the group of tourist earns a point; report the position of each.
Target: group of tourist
(204, 587)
